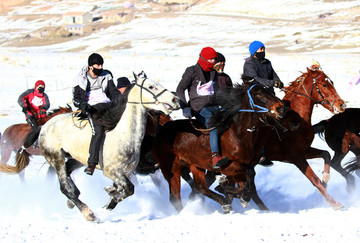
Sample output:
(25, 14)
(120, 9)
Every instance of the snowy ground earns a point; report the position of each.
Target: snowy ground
(36, 211)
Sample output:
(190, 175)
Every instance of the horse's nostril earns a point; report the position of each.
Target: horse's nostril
(280, 110)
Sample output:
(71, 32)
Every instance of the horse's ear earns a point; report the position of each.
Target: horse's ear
(308, 70)
(135, 76)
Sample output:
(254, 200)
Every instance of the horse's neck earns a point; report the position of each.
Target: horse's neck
(304, 106)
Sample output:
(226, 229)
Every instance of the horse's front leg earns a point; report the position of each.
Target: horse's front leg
(121, 188)
(312, 153)
(305, 168)
(200, 185)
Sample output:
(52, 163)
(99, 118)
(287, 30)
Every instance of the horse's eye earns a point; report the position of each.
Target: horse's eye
(151, 87)
(325, 85)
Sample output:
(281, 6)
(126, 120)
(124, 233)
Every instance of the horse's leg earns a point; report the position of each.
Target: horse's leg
(67, 185)
(336, 164)
(250, 176)
(6, 150)
(121, 189)
(312, 153)
(200, 185)
(305, 168)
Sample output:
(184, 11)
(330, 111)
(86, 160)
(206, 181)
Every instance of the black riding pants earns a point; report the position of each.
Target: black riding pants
(97, 139)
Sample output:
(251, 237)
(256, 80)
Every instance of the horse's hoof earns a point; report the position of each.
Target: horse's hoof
(226, 208)
(338, 206)
(90, 217)
(70, 204)
(244, 203)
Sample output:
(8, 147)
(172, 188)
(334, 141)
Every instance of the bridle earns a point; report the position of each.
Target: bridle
(252, 104)
(324, 101)
(155, 96)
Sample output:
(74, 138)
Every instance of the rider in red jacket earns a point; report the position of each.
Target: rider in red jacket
(34, 103)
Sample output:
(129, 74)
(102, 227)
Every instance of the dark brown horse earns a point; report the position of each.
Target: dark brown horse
(14, 136)
(178, 144)
(341, 133)
(312, 87)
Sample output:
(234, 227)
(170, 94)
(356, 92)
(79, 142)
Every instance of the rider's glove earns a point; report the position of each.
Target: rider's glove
(84, 107)
(278, 84)
(187, 112)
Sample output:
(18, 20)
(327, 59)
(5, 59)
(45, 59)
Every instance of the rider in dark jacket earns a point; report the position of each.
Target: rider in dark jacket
(93, 90)
(260, 69)
(224, 79)
(201, 82)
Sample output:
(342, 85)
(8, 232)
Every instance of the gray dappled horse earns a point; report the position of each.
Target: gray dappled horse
(66, 147)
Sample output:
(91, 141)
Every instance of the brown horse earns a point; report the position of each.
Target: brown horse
(14, 136)
(246, 116)
(312, 87)
(341, 134)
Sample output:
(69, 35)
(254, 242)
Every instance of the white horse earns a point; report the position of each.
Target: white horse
(66, 146)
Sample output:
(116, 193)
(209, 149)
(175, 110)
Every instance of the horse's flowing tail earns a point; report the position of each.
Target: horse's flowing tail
(320, 127)
(352, 165)
(22, 161)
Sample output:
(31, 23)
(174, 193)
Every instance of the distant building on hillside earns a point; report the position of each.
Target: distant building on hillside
(115, 17)
(77, 18)
(75, 29)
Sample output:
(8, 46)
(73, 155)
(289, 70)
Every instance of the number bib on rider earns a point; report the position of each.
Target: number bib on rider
(97, 96)
(205, 89)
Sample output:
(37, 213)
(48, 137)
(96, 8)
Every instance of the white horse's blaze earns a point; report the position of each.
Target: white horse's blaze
(121, 151)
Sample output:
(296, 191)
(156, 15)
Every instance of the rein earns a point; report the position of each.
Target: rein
(252, 104)
(73, 114)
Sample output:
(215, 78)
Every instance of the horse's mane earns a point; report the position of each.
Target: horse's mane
(52, 112)
(110, 117)
(230, 100)
(298, 81)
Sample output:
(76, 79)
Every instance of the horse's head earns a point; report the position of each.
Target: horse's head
(324, 91)
(317, 87)
(261, 100)
(152, 95)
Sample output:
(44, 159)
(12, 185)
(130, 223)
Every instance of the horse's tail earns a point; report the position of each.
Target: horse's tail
(22, 161)
(320, 127)
(352, 165)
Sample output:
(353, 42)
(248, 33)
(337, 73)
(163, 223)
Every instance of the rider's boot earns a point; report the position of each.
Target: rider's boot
(218, 160)
(90, 169)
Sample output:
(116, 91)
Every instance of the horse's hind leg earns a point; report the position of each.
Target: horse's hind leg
(67, 185)
(121, 188)
(336, 164)
(5, 153)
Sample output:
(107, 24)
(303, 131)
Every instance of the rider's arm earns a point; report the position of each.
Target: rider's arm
(183, 85)
(249, 71)
(46, 106)
(23, 97)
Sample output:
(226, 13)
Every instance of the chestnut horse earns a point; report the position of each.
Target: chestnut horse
(312, 87)
(179, 144)
(14, 136)
(341, 133)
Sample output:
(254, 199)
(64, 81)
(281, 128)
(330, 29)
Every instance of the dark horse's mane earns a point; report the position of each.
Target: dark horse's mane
(110, 117)
(52, 112)
(230, 100)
